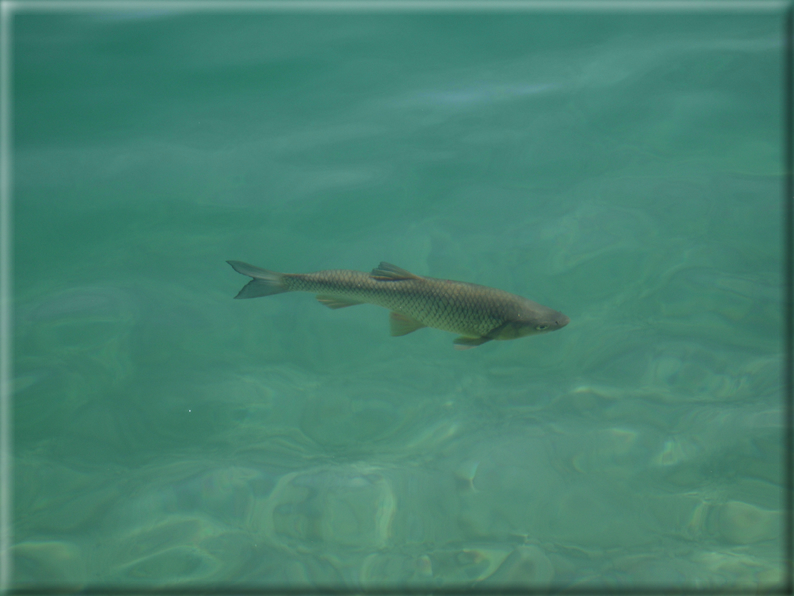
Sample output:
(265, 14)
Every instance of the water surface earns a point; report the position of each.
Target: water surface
(624, 168)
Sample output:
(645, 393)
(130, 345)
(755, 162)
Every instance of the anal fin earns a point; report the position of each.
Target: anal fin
(334, 302)
(467, 343)
(402, 324)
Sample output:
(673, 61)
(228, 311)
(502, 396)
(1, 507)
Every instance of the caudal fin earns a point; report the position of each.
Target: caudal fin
(265, 283)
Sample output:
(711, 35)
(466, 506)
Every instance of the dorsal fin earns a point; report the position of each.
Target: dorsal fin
(388, 272)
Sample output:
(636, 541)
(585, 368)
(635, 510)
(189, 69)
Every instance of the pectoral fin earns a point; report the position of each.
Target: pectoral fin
(402, 324)
(333, 302)
(467, 343)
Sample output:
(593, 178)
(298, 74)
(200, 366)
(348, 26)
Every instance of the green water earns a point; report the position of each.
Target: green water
(622, 167)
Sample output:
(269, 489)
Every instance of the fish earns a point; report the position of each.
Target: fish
(479, 314)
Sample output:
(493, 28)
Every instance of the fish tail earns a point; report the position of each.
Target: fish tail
(264, 282)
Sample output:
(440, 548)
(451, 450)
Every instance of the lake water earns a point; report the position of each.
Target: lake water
(622, 166)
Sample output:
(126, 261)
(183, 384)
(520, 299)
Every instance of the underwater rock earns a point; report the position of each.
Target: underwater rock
(523, 567)
(350, 506)
(527, 566)
(58, 566)
(387, 570)
(743, 523)
(177, 565)
(467, 563)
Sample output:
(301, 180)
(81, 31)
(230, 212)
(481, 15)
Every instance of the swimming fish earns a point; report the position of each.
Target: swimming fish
(478, 313)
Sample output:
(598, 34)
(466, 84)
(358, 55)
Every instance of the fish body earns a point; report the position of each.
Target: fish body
(477, 313)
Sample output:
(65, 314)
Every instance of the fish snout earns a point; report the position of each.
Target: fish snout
(561, 321)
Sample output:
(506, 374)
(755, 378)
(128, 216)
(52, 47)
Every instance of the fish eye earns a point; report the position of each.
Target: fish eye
(541, 327)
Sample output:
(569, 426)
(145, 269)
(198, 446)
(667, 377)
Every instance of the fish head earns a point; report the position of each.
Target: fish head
(531, 318)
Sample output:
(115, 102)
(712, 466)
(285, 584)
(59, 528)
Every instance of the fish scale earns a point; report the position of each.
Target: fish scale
(444, 306)
(478, 313)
